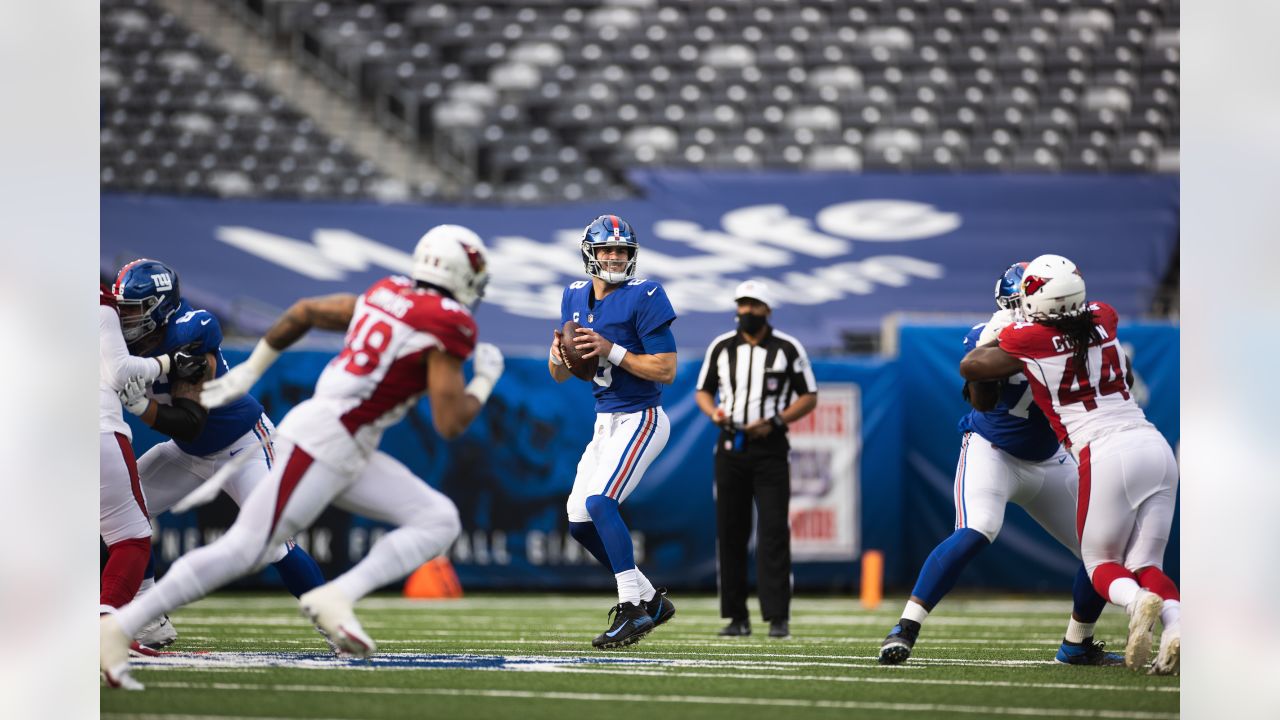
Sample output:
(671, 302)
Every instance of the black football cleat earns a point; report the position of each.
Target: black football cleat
(660, 608)
(779, 629)
(736, 628)
(902, 638)
(629, 623)
(1087, 652)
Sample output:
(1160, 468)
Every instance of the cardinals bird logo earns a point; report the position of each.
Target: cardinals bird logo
(1032, 283)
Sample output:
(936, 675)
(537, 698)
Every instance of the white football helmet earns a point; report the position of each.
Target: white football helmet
(1052, 288)
(453, 258)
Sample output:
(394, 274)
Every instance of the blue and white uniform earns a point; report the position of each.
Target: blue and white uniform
(631, 427)
(1011, 454)
(172, 469)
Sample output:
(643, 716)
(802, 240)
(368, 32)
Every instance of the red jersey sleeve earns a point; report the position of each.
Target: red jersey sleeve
(105, 297)
(1105, 317)
(1025, 340)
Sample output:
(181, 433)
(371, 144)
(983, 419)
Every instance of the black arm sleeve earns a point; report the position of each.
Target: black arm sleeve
(183, 420)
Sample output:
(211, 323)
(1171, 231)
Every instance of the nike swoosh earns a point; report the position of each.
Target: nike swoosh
(615, 632)
(1061, 460)
(205, 322)
(651, 292)
(233, 452)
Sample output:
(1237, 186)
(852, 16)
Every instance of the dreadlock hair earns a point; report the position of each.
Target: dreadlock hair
(1079, 330)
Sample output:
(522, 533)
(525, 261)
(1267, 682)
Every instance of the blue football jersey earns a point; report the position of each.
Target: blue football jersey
(227, 423)
(625, 316)
(1015, 425)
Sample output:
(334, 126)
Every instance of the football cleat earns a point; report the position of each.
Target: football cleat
(113, 654)
(660, 608)
(1143, 613)
(736, 628)
(332, 612)
(897, 647)
(628, 623)
(1167, 659)
(1087, 652)
(779, 629)
(157, 634)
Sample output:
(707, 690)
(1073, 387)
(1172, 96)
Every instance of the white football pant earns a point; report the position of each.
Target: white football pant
(122, 506)
(622, 448)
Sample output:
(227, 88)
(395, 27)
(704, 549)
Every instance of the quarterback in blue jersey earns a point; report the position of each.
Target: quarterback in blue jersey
(626, 327)
(156, 321)
(1009, 454)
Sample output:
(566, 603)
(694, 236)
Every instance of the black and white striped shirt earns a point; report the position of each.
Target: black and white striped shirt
(756, 381)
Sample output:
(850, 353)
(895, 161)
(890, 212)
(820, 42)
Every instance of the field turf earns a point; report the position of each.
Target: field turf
(530, 657)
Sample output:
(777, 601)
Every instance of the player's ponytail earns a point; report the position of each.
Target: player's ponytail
(1080, 330)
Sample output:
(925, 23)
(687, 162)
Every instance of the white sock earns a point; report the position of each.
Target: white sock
(192, 577)
(647, 591)
(628, 586)
(1078, 632)
(1122, 591)
(1171, 613)
(394, 556)
(147, 584)
(915, 611)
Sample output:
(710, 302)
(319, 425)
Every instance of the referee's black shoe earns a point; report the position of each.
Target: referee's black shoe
(629, 623)
(736, 628)
(902, 638)
(660, 608)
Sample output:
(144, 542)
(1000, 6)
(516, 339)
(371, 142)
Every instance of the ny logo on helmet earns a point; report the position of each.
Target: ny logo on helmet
(163, 281)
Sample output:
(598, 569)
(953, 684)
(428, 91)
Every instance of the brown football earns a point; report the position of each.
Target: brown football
(581, 369)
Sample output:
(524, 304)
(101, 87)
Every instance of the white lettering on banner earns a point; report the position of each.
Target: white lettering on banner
(825, 451)
(529, 276)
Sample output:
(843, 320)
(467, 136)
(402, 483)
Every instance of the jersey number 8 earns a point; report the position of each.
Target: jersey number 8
(362, 353)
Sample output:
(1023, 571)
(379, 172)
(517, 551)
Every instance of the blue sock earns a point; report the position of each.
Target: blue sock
(1087, 604)
(945, 564)
(151, 566)
(586, 535)
(299, 571)
(613, 533)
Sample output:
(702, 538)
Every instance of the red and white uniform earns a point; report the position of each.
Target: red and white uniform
(122, 509)
(1128, 474)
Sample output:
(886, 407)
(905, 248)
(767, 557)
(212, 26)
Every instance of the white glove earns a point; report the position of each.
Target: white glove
(488, 368)
(232, 386)
(134, 395)
(1000, 320)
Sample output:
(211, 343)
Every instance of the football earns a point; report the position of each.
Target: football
(581, 369)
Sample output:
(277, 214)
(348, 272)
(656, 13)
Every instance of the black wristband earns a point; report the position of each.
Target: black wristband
(778, 422)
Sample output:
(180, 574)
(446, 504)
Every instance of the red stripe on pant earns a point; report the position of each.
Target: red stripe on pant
(135, 483)
(1082, 503)
(299, 462)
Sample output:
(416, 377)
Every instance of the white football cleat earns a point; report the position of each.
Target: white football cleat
(157, 634)
(331, 611)
(1170, 649)
(113, 654)
(1143, 613)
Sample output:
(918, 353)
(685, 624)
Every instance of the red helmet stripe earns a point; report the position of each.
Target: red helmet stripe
(115, 289)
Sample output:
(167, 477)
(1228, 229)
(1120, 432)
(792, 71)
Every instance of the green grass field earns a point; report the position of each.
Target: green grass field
(530, 656)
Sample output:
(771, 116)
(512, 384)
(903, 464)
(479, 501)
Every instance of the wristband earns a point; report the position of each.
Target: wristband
(164, 364)
(479, 388)
(778, 422)
(555, 360)
(616, 354)
(261, 358)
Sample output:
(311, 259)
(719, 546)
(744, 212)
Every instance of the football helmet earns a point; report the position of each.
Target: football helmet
(1052, 288)
(609, 231)
(147, 294)
(453, 259)
(1009, 287)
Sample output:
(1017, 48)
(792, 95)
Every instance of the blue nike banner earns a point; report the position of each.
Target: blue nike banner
(841, 251)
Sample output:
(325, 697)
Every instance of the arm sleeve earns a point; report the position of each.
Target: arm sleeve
(709, 377)
(116, 360)
(802, 380)
(654, 310)
(183, 420)
(659, 341)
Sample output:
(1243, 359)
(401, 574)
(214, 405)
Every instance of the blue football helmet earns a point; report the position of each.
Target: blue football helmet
(1009, 287)
(609, 231)
(148, 295)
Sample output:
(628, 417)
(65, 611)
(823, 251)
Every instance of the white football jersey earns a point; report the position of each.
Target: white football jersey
(1081, 405)
(380, 373)
(115, 366)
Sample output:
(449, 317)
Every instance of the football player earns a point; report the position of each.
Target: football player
(123, 519)
(405, 337)
(1008, 454)
(626, 327)
(158, 321)
(1069, 351)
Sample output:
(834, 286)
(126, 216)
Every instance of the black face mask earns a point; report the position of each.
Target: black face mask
(750, 323)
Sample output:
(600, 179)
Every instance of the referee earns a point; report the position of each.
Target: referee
(765, 383)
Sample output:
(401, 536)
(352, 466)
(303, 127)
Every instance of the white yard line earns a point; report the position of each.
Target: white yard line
(681, 699)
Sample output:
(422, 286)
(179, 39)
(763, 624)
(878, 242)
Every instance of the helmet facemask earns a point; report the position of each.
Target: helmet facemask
(596, 267)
